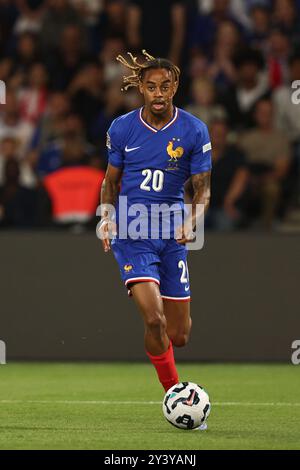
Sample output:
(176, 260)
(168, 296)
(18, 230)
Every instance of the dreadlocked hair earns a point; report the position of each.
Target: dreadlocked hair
(138, 69)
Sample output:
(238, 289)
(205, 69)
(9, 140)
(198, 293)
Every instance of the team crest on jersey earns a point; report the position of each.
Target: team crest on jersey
(108, 142)
(174, 153)
(128, 267)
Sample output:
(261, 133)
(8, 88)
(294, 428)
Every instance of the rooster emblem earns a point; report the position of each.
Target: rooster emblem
(128, 267)
(174, 153)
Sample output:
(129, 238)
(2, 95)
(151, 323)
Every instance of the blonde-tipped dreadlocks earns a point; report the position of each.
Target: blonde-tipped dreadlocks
(138, 69)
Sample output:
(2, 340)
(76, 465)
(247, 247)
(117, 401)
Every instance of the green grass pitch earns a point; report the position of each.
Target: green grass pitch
(117, 406)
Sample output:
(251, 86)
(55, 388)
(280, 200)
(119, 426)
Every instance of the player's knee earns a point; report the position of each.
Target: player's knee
(156, 322)
(180, 339)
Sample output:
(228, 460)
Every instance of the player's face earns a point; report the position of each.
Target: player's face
(158, 88)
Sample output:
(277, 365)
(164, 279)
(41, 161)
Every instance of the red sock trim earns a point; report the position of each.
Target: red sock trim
(161, 356)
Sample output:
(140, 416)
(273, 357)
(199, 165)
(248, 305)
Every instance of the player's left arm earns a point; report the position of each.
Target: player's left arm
(201, 183)
(201, 187)
(200, 171)
(109, 194)
(198, 189)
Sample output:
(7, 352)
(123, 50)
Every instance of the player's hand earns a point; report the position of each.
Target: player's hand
(106, 230)
(184, 235)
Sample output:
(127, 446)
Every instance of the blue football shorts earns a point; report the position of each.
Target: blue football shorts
(160, 261)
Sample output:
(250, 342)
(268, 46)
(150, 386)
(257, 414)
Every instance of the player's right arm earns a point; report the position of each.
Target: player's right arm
(111, 183)
(109, 194)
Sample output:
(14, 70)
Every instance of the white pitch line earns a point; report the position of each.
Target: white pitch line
(81, 402)
(106, 402)
(233, 403)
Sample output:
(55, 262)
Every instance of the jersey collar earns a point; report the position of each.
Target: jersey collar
(163, 128)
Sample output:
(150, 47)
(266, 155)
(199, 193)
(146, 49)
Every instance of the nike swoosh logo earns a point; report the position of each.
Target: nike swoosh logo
(191, 400)
(186, 288)
(127, 149)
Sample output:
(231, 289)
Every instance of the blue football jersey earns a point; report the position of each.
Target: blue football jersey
(157, 163)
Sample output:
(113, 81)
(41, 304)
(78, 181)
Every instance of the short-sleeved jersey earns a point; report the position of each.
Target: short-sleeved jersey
(157, 163)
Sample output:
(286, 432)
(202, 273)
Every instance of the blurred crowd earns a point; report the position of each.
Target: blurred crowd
(239, 61)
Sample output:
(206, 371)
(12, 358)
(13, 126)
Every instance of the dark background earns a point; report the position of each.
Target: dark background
(61, 298)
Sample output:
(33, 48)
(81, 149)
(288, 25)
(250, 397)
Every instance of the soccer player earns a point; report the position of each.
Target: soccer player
(152, 152)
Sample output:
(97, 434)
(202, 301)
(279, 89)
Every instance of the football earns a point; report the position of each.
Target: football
(186, 405)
